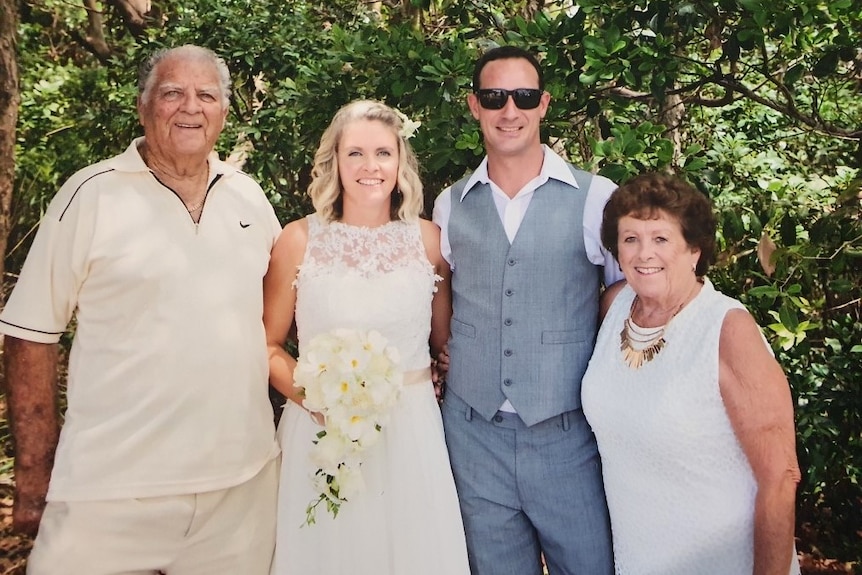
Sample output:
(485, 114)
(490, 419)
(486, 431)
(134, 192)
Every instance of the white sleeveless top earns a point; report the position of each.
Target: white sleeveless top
(680, 489)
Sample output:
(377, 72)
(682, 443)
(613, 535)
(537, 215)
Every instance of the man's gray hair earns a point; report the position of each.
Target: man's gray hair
(188, 52)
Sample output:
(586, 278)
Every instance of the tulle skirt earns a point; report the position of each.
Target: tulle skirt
(407, 519)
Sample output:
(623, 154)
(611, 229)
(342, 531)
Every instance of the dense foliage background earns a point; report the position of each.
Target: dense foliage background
(757, 103)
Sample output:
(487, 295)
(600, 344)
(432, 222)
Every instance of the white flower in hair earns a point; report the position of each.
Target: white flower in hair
(408, 126)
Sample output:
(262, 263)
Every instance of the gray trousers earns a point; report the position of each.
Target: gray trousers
(528, 492)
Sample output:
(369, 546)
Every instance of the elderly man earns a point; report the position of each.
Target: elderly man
(166, 461)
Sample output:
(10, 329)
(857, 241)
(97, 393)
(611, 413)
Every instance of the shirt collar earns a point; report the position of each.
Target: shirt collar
(131, 161)
(553, 166)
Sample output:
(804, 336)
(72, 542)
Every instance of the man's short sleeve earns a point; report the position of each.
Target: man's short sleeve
(45, 295)
(440, 216)
(597, 196)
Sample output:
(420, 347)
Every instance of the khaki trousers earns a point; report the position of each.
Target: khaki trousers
(225, 532)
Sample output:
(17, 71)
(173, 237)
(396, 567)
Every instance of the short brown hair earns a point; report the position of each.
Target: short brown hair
(645, 195)
(505, 53)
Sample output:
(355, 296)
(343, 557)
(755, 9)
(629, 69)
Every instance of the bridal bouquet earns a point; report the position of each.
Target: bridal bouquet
(352, 378)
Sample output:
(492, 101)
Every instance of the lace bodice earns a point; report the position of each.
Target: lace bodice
(367, 278)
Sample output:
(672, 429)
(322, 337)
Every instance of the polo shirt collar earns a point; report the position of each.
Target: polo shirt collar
(131, 161)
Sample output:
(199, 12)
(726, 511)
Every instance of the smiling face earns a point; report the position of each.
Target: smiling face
(367, 163)
(654, 256)
(509, 131)
(184, 113)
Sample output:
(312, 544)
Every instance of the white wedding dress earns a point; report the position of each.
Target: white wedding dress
(407, 520)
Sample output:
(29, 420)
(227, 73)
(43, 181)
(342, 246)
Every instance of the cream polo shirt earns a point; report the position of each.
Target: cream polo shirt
(167, 386)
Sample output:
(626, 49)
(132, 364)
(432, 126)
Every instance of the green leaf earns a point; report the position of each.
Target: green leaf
(792, 76)
(664, 150)
(788, 318)
(826, 65)
(764, 291)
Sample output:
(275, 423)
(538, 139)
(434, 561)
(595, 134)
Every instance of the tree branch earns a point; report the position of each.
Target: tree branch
(813, 121)
(733, 86)
(94, 37)
(136, 14)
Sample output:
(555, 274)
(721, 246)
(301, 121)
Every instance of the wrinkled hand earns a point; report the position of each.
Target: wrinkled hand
(27, 512)
(443, 361)
(439, 369)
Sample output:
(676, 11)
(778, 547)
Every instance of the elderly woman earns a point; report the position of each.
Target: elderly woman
(692, 413)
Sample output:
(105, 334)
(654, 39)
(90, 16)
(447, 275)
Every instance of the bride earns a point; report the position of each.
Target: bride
(365, 261)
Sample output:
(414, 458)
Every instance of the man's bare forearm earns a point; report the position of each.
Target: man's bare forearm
(31, 393)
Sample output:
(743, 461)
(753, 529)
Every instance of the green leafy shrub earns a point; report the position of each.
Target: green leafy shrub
(786, 191)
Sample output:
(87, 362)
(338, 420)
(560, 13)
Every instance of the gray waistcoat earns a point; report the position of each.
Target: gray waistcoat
(525, 314)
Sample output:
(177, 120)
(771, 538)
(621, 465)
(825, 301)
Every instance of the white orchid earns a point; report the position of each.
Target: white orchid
(330, 450)
(408, 126)
(353, 379)
(350, 482)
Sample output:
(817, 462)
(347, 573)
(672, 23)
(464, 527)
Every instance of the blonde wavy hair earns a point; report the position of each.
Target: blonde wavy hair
(325, 190)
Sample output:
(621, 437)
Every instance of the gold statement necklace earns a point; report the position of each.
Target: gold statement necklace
(641, 345)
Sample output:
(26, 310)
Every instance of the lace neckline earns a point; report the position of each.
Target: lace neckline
(383, 226)
(340, 248)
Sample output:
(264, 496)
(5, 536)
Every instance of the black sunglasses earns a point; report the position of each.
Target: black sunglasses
(496, 98)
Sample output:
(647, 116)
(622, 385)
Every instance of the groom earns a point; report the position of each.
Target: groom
(522, 237)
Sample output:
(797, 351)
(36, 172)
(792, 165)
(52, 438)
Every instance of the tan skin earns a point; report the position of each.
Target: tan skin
(657, 264)
(31, 395)
(512, 139)
(182, 119)
(758, 402)
(370, 210)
